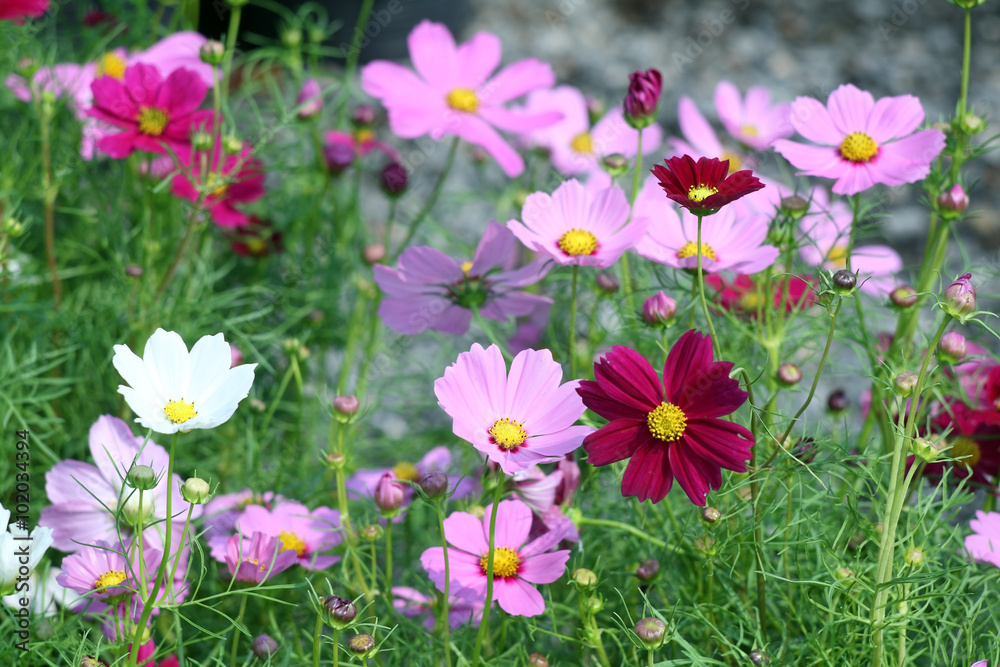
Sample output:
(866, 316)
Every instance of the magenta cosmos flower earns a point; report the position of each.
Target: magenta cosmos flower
(827, 227)
(411, 602)
(154, 113)
(85, 497)
(233, 179)
(671, 428)
(255, 560)
(517, 420)
(984, 543)
(575, 225)
(19, 9)
(574, 146)
(101, 573)
(729, 243)
(430, 290)
(516, 565)
(703, 187)
(864, 142)
(306, 533)
(451, 92)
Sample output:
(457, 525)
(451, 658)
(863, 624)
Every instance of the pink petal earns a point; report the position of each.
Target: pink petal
(810, 119)
(478, 58)
(513, 524)
(465, 532)
(812, 160)
(697, 130)
(515, 80)
(518, 597)
(414, 107)
(849, 109)
(478, 132)
(894, 117)
(544, 568)
(729, 106)
(512, 121)
(432, 50)
(854, 178)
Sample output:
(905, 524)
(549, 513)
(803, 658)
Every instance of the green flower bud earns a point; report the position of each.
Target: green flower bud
(142, 478)
(196, 491)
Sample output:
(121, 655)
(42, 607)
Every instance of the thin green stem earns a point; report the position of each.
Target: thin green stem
(716, 344)
(636, 185)
(609, 523)
(388, 559)
(415, 224)
(316, 641)
(572, 322)
(352, 60)
(177, 558)
(336, 647)
(963, 99)
(227, 63)
(443, 619)
(50, 191)
(237, 633)
(485, 623)
(293, 362)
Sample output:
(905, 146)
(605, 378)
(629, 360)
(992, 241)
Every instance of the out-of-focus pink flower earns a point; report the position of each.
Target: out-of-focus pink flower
(452, 93)
(255, 559)
(20, 9)
(658, 309)
(364, 482)
(411, 602)
(530, 328)
(574, 146)
(309, 100)
(234, 179)
(700, 139)
(741, 294)
(863, 142)
(984, 543)
(308, 534)
(753, 120)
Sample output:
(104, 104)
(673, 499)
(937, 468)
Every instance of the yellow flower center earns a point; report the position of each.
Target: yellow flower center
(751, 301)
(966, 450)
(110, 65)
(838, 256)
(749, 130)
(220, 190)
(179, 412)
(463, 99)
(858, 147)
(363, 135)
(667, 422)
(582, 143)
(152, 121)
(735, 162)
(406, 470)
(256, 245)
(506, 562)
(507, 433)
(578, 242)
(699, 193)
(111, 578)
(255, 562)
(466, 266)
(292, 541)
(690, 249)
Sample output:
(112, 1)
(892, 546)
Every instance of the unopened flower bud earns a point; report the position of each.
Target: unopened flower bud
(537, 660)
(711, 515)
(972, 124)
(309, 100)
(362, 645)
(651, 632)
(363, 116)
(584, 578)
(201, 140)
(91, 661)
(478, 155)
(212, 52)
(843, 573)
(759, 657)
(338, 155)
(196, 491)
(944, 127)
(658, 310)
(372, 533)
(434, 485)
(595, 108)
(960, 298)
(844, 281)
(913, 557)
(643, 98)
(232, 144)
(142, 478)
(954, 199)
(794, 207)
(133, 271)
(648, 569)
(705, 545)
(904, 383)
(264, 647)
(291, 37)
(595, 604)
(606, 283)
(952, 347)
(615, 164)
(340, 613)
(394, 179)
(903, 296)
(837, 401)
(235, 356)
(789, 374)
(336, 460)
(374, 253)
(345, 407)
(927, 449)
(389, 494)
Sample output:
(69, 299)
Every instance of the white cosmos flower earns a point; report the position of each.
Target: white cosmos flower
(20, 551)
(171, 389)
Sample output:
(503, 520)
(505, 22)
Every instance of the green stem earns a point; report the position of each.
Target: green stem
(387, 235)
(147, 609)
(177, 558)
(716, 345)
(49, 202)
(966, 61)
(572, 323)
(336, 647)
(316, 641)
(236, 633)
(445, 624)
(485, 623)
(636, 184)
(227, 63)
(609, 523)
(430, 200)
(388, 559)
(491, 334)
(293, 363)
(352, 60)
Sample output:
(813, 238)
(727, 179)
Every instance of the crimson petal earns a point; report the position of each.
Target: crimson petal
(615, 441)
(648, 475)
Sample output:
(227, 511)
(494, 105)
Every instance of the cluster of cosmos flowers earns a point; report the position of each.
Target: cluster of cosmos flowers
(697, 211)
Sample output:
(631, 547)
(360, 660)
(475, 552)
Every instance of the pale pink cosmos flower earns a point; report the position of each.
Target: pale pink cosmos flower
(224, 510)
(827, 227)
(452, 93)
(753, 121)
(411, 602)
(575, 146)
(729, 242)
(700, 139)
(438, 459)
(984, 543)
(516, 565)
(517, 420)
(430, 290)
(579, 225)
(255, 560)
(864, 142)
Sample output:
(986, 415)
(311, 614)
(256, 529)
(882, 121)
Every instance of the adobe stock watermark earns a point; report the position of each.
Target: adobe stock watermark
(564, 9)
(379, 19)
(714, 27)
(900, 14)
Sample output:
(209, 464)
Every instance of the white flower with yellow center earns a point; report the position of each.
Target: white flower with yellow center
(170, 389)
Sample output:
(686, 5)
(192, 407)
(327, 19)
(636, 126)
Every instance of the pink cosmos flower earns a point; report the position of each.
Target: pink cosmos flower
(153, 112)
(223, 511)
(575, 225)
(411, 602)
(864, 142)
(19, 9)
(517, 420)
(984, 543)
(341, 148)
(310, 99)
(451, 92)
(363, 482)
(307, 533)
(827, 228)
(85, 497)
(516, 565)
(540, 492)
(753, 121)
(240, 179)
(575, 146)
(430, 290)
(255, 560)
(729, 241)
(700, 139)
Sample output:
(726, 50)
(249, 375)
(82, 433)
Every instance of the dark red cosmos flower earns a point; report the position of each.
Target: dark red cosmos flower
(975, 443)
(992, 388)
(703, 187)
(741, 294)
(671, 428)
(257, 238)
(19, 9)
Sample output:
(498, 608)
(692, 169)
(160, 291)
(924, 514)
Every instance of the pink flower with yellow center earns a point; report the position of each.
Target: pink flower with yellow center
(254, 560)
(308, 534)
(232, 179)
(452, 92)
(517, 420)
(577, 225)
(752, 120)
(863, 142)
(517, 563)
(700, 139)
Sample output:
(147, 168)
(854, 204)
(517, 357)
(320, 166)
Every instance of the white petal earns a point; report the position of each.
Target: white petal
(167, 364)
(209, 362)
(132, 370)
